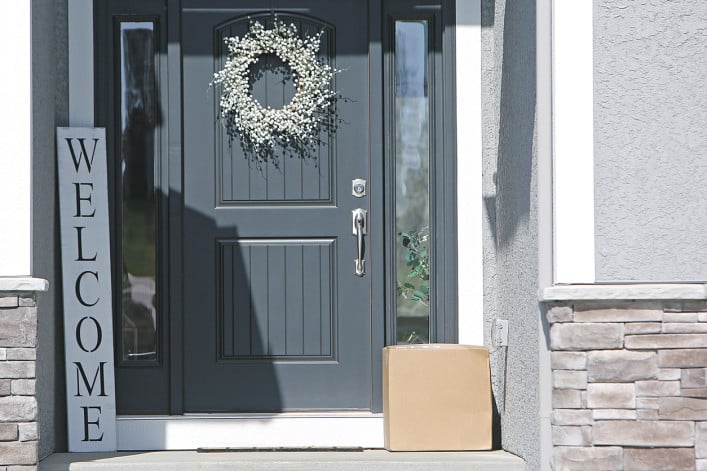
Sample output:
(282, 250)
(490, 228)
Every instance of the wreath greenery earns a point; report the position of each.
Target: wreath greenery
(296, 125)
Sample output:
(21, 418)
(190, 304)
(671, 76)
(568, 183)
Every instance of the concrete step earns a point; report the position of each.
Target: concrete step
(365, 460)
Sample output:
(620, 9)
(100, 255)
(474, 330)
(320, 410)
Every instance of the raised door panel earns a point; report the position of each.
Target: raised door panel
(277, 299)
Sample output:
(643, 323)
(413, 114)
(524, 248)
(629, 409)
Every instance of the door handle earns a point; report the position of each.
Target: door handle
(359, 219)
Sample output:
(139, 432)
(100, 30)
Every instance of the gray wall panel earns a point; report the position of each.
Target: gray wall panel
(49, 109)
(651, 140)
(510, 219)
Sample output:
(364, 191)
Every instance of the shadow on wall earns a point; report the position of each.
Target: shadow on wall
(509, 210)
(509, 48)
(49, 110)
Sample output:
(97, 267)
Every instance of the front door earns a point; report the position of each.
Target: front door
(275, 317)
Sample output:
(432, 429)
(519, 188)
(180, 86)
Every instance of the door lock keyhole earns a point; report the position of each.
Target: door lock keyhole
(358, 187)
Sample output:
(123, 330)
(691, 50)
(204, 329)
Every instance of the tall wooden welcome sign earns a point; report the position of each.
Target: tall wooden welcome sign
(88, 319)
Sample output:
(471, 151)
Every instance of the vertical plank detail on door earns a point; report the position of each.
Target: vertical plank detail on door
(277, 310)
(294, 299)
(240, 294)
(276, 299)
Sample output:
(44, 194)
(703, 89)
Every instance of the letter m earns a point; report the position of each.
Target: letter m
(83, 154)
(81, 376)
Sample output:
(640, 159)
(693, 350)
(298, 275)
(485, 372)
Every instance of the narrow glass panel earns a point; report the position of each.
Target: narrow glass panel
(412, 182)
(138, 205)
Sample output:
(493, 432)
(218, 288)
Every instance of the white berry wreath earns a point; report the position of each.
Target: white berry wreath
(298, 123)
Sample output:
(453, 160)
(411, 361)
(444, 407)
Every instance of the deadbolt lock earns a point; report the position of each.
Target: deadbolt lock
(358, 187)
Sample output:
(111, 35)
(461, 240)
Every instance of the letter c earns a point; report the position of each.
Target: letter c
(78, 288)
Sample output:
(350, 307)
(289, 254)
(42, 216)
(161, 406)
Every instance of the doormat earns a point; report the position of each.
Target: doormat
(276, 449)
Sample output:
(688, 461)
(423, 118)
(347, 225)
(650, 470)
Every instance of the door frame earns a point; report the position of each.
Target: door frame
(82, 17)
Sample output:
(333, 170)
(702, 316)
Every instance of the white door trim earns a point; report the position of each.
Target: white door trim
(470, 196)
(287, 429)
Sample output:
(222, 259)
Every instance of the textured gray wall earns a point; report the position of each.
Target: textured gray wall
(49, 109)
(510, 225)
(650, 83)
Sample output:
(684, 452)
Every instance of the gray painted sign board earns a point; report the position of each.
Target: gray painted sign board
(88, 324)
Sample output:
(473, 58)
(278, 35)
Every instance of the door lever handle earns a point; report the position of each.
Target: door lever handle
(359, 219)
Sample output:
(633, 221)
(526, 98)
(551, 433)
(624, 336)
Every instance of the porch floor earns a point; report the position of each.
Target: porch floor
(365, 460)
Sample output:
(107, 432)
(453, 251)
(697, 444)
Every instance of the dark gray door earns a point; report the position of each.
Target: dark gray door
(274, 316)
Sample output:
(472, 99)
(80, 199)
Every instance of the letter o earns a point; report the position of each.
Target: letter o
(99, 335)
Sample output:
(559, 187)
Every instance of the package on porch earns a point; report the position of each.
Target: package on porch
(436, 397)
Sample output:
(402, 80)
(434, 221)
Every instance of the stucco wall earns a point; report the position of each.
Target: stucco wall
(49, 108)
(510, 218)
(650, 76)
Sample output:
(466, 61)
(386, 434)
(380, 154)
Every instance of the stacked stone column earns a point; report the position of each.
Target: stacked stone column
(629, 385)
(18, 404)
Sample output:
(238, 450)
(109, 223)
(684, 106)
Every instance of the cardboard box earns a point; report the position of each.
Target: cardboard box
(436, 397)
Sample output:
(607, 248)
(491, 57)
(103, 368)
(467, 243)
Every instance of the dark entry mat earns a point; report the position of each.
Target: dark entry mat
(283, 449)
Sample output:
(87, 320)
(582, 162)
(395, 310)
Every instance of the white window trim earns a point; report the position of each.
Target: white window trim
(573, 141)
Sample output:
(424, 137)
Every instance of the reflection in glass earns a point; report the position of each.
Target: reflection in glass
(137, 170)
(412, 182)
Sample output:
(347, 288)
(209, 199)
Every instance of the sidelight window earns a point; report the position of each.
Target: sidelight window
(412, 181)
(136, 169)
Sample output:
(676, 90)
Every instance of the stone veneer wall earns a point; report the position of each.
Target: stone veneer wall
(18, 404)
(629, 385)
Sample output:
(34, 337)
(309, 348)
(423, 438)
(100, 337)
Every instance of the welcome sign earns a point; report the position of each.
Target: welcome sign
(88, 319)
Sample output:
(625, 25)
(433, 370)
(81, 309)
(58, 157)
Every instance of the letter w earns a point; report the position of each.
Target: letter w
(81, 376)
(82, 154)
